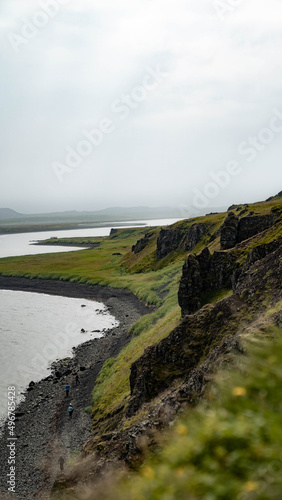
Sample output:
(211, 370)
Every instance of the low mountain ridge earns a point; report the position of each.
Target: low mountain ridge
(8, 213)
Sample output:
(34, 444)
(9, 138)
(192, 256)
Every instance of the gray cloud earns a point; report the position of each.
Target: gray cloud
(223, 82)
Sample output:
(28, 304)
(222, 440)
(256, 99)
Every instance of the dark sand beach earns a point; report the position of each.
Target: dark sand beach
(44, 431)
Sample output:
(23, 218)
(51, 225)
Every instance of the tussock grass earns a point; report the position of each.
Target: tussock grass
(112, 387)
(96, 266)
(228, 447)
(126, 271)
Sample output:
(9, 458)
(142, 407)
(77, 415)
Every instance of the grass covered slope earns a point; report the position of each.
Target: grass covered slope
(113, 263)
(169, 361)
(152, 279)
(229, 447)
(102, 265)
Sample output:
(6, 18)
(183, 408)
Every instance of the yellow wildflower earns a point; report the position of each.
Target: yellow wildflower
(251, 486)
(148, 472)
(180, 472)
(239, 391)
(181, 430)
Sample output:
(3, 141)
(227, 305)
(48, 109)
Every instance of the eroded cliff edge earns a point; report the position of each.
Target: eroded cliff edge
(230, 285)
(225, 271)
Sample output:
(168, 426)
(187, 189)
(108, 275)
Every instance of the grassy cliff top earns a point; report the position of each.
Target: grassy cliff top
(153, 280)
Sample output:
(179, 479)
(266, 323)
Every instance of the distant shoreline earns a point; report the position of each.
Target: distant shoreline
(7, 230)
(58, 242)
(68, 289)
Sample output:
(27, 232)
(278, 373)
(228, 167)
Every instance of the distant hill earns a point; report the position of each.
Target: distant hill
(111, 214)
(15, 222)
(8, 213)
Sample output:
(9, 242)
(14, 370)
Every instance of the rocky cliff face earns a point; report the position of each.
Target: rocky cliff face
(175, 372)
(177, 355)
(142, 243)
(235, 230)
(205, 273)
(202, 274)
(253, 224)
(258, 253)
(229, 231)
(171, 239)
(199, 334)
(203, 328)
(168, 241)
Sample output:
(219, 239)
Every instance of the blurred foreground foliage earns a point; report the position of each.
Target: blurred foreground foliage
(229, 447)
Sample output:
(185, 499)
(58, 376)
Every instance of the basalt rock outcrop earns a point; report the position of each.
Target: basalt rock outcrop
(170, 240)
(142, 243)
(258, 253)
(235, 230)
(203, 274)
(229, 231)
(199, 334)
(194, 236)
(175, 356)
(253, 224)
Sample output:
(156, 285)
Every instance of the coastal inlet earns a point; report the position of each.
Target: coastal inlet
(37, 329)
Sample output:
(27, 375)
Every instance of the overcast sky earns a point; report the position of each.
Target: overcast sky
(139, 102)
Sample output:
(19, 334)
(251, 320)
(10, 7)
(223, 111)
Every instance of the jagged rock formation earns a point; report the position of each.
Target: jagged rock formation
(258, 253)
(142, 243)
(171, 239)
(179, 354)
(253, 224)
(229, 231)
(235, 230)
(174, 373)
(202, 274)
(168, 241)
(193, 236)
(238, 207)
(205, 273)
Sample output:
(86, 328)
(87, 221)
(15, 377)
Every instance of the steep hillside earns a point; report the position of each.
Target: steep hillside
(224, 295)
(229, 447)
(208, 281)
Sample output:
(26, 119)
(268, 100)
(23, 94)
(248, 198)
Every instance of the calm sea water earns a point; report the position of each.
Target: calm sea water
(37, 329)
(20, 244)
